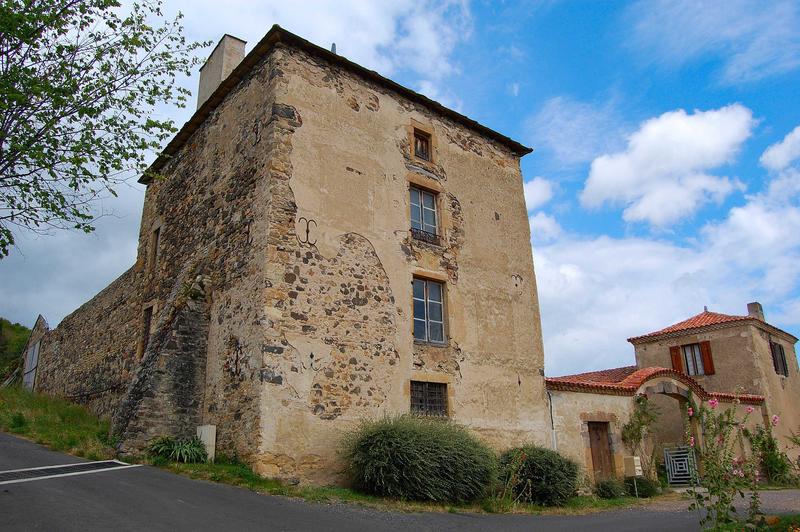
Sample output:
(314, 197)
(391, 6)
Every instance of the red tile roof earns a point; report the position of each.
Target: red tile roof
(704, 319)
(628, 379)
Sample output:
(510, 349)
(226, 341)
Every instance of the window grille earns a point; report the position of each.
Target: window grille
(429, 398)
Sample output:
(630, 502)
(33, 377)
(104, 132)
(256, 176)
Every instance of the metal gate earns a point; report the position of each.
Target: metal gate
(680, 465)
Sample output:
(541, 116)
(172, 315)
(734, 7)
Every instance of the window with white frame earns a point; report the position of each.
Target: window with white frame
(423, 212)
(428, 311)
(693, 359)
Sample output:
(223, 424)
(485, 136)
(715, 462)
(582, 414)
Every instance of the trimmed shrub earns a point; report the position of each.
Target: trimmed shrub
(419, 458)
(610, 489)
(539, 475)
(644, 486)
(189, 451)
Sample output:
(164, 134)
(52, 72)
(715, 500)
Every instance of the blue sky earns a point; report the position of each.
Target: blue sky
(665, 175)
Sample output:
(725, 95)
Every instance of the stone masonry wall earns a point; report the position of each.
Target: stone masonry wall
(340, 264)
(91, 356)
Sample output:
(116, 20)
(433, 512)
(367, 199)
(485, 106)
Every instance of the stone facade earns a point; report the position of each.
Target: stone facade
(275, 271)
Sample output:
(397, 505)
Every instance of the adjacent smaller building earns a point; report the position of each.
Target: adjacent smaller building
(742, 361)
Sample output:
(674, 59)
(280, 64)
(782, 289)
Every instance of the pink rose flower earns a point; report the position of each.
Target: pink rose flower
(690, 411)
(775, 420)
(713, 403)
(750, 409)
(691, 441)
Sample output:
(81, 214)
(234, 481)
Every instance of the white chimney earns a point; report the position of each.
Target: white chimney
(754, 310)
(226, 56)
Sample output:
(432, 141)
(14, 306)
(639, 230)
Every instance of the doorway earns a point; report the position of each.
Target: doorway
(600, 443)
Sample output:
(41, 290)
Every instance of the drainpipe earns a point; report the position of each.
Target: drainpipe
(552, 423)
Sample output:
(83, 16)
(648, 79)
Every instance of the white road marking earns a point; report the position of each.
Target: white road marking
(120, 465)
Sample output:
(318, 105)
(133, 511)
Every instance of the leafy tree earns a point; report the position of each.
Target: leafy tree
(79, 83)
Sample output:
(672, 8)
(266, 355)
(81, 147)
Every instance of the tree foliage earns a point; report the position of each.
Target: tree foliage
(80, 81)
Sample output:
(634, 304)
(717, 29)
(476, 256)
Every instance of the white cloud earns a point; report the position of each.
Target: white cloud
(544, 228)
(597, 292)
(753, 39)
(783, 153)
(575, 132)
(538, 191)
(514, 89)
(661, 177)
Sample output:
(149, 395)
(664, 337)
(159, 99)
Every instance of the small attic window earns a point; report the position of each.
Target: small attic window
(422, 145)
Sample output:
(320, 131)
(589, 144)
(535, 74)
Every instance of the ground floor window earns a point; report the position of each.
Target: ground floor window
(429, 398)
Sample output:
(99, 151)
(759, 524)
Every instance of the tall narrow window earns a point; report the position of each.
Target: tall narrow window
(154, 242)
(779, 359)
(428, 311)
(422, 145)
(424, 223)
(147, 319)
(429, 398)
(693, 359)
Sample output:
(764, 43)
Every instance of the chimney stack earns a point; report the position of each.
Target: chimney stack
(754, 310)
(226, 56)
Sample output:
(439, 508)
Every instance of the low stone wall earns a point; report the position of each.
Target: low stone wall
(89, 358)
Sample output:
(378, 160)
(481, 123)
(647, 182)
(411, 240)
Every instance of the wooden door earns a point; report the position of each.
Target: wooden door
(602, 461)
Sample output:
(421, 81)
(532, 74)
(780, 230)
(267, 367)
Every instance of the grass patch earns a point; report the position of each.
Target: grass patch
(238, 474)
(56, 423)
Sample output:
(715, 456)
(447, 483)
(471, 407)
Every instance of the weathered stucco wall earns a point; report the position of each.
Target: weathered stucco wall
(572, 411)
(735, 359)
(89, 358)
(339, 298)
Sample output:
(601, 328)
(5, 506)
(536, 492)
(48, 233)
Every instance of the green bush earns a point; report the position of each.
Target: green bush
(645, 487)
(610, 489)
(541, 476)
(774, 463)
(419, 458)
(189, 451)
(17, 421)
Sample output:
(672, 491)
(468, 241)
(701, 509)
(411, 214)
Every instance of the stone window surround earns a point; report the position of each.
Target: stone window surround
(430, 376)
(153, 305)
(154, 245)
(428, 275)
(425, 129)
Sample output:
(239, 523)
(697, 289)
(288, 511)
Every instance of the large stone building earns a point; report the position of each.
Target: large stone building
(319, 245)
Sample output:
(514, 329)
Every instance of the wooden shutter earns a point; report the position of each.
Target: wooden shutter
(774, 357)
(675, 355)
(708, 361)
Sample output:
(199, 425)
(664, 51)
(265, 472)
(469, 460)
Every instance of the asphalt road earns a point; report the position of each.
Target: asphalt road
(147, 498)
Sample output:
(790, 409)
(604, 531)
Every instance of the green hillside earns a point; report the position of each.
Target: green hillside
(12, 341)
